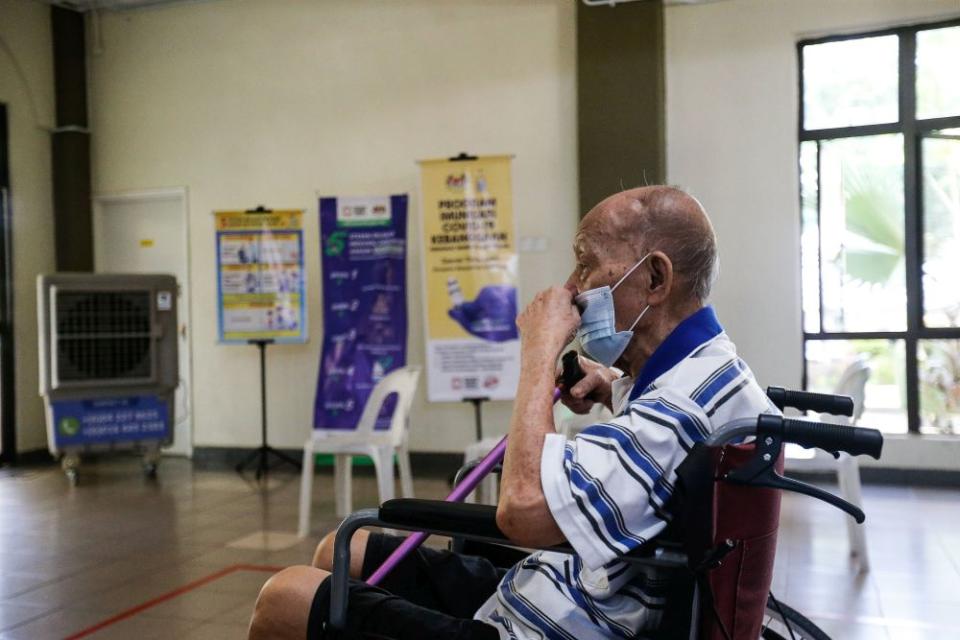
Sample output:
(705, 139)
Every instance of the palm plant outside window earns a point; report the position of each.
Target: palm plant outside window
(880, 220)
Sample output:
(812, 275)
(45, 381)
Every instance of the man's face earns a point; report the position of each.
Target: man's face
(588, 273)
(602, 257)
(599, 254)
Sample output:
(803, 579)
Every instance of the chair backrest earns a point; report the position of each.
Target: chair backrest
(853, 383)
(403, 383)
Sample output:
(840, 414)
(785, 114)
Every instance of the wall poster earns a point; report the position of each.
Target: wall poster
(260, 276)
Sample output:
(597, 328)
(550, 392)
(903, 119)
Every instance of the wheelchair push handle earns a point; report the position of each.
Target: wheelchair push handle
(834, 438)
(773, 431)
(809, 401)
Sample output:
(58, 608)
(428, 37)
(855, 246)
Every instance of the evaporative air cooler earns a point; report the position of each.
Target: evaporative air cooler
(108, 364)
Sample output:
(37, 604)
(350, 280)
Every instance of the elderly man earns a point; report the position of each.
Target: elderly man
(645, 263)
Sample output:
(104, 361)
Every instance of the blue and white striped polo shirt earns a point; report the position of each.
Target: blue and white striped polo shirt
(607, 488)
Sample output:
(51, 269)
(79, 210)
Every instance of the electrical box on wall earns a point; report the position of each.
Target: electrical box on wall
(108, 363)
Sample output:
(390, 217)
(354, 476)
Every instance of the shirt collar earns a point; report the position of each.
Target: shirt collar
(687, 336)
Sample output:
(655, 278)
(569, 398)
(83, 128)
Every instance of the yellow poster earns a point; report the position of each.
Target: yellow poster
(260, 283)
(470, 279)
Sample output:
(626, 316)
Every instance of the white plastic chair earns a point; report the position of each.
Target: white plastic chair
(569, 424)
(852, 383)
(379, 445)
(488, 491)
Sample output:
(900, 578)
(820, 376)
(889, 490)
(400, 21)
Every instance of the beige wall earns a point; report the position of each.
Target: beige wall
(25, 28)
(255, 101)
(732, 141)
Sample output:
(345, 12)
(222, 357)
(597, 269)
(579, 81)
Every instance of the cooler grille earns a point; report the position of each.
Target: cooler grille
(103, 335)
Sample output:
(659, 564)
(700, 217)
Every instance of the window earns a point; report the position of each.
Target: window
(880, 220)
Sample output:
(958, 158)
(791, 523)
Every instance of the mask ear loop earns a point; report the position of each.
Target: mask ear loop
(627, 274)
(638, 318)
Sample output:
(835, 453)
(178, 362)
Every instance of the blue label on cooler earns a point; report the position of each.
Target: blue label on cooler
(104, 420)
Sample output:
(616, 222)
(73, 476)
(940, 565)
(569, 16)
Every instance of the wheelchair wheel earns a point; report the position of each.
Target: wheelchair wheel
(779, 621)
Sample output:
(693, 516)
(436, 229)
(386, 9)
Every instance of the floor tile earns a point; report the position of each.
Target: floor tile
(200, 605)
(144, 628)
(56, 624)
(215, 631)
(849, 630)
(12, 615)
(237, 616)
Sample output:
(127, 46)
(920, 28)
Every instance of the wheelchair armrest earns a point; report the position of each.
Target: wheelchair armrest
(438, 515)
(479, 521)
(471, 521)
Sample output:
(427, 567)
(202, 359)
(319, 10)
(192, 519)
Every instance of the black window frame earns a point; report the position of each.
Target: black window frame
(913, 131)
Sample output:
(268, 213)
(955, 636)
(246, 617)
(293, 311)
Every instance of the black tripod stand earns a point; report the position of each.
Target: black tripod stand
(477, 403)
(262, 453)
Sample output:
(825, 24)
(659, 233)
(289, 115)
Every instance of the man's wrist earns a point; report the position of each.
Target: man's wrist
(538, 356)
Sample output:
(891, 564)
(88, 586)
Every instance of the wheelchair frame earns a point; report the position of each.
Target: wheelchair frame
(477, 522)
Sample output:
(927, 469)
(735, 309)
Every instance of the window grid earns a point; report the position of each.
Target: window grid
(913, 131)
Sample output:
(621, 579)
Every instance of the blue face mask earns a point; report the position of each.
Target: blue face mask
(598, 333)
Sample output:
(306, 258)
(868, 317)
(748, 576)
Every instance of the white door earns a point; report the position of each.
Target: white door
(146, 232)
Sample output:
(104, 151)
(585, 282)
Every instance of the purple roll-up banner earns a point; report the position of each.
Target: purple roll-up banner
(364, 256)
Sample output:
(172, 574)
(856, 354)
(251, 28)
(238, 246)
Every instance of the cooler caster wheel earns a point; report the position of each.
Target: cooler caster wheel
(71, 464)
(151, 460)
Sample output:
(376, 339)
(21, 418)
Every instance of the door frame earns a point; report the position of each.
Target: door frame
(8, 427)
(164, 193)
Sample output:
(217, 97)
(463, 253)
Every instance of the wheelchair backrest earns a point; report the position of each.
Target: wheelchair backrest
(729, 533)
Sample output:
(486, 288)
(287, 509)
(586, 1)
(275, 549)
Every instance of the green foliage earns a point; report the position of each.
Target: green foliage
(940, 384)
(873, 248)
(881, 362)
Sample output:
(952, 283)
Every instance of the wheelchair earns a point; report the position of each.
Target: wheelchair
(720, 543)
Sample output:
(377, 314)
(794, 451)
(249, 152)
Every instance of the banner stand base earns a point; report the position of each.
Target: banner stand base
(478, 413)
(262, 453)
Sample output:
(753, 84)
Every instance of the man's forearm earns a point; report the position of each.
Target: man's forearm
(532, 419)
(524, 514)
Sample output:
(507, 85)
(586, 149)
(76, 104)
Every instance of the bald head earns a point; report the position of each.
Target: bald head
(628, 225)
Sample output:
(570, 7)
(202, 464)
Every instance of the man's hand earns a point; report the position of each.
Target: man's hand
(595, 386)
(548, 323)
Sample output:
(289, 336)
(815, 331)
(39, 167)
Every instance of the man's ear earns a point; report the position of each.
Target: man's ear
(661, 277)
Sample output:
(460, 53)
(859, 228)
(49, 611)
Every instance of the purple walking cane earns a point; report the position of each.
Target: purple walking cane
(571, 374)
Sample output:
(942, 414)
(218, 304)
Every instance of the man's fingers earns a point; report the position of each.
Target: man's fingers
(576, 405)
(583, 388)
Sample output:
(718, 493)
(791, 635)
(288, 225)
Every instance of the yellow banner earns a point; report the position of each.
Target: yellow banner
(470, 278)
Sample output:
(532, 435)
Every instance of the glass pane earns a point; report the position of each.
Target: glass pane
(861, 234)
(939, 362)
(885, 393)
(850, 82)
(809, 238)
(941, 229)
(938, 82)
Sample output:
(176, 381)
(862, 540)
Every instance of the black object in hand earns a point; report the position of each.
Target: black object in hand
(572, 372)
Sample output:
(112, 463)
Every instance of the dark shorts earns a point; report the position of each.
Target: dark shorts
(430, 594)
